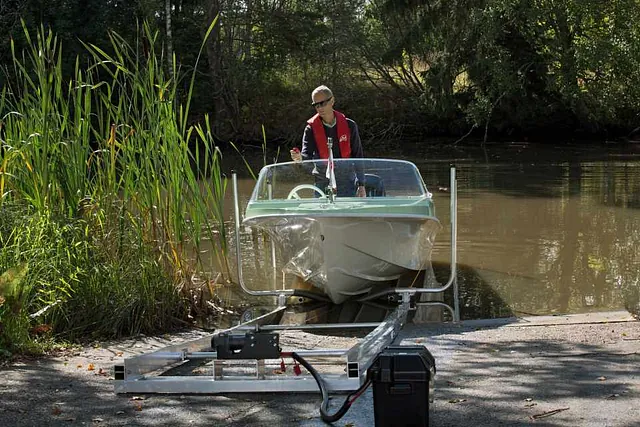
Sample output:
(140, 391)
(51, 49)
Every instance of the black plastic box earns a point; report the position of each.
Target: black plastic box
(400, 377)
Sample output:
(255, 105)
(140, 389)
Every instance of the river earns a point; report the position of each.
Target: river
(542, 229)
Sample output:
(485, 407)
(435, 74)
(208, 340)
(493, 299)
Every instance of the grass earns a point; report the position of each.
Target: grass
(106, 193)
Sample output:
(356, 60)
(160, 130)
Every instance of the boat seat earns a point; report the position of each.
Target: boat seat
(374, 185)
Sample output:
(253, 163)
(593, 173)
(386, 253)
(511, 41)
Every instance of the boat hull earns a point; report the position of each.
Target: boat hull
(346, 256)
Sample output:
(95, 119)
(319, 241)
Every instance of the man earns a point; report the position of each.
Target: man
(329, 123)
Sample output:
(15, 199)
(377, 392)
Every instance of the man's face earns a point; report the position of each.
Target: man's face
(323, 104)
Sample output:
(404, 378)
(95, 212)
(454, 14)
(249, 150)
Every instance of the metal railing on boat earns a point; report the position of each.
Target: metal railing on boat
(282, 294)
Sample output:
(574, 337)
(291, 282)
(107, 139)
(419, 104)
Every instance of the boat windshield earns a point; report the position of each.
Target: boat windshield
(309, 179)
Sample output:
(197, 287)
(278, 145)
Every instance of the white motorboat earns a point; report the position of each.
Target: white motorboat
(342, 244)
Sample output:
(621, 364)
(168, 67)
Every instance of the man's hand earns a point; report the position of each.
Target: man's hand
(361, 191)
(295, 154)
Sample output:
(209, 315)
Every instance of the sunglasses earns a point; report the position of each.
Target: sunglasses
(321, 103)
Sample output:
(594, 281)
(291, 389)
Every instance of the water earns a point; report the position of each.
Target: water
(541, 229)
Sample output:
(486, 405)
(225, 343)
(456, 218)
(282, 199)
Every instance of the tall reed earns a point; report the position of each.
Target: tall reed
(109, 156)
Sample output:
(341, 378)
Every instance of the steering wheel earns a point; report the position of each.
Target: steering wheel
(293, 194)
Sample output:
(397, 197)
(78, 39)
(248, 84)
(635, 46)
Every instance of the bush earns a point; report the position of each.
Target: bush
(73, 278)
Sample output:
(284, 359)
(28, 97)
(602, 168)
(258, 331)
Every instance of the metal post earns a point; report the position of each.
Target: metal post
(331, 173)
(454, 243)
(453, 277)
(236, 210)
(274, 270)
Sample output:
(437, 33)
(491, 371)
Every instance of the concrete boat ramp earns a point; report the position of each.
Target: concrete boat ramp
(574, 370)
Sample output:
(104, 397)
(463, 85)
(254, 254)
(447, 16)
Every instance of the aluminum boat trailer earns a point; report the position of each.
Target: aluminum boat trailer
(250, 358)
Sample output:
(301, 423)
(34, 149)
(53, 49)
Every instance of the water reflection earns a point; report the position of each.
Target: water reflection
(541, 230)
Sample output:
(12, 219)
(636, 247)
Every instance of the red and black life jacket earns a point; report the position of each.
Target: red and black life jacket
(344, 135)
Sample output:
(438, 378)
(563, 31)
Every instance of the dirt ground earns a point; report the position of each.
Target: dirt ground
(553, 371)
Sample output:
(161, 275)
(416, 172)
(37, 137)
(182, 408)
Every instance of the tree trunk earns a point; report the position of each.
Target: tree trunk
(214, 53)
(568, 65)
(246, 44)
(167, 9)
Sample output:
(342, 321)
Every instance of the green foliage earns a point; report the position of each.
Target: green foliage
(14, 295)
(61, 272)
(507, 64)
(115, 190)
(510, 67)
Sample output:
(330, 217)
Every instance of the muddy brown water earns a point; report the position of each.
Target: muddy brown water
(542, 229)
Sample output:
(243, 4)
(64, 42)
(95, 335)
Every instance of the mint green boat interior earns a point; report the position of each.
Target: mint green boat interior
(400, 206)
(394, 187)
(342, 244)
